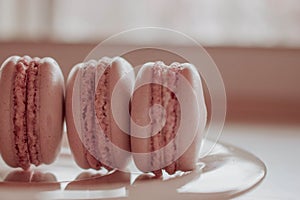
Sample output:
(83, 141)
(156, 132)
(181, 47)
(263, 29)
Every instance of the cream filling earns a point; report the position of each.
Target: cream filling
(32, 114)
(25, 114)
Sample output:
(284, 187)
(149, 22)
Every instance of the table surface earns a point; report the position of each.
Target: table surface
(278, 146)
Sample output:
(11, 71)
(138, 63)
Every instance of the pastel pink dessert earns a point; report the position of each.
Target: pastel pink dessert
(92, 130)
(174, 135)
(31, 109)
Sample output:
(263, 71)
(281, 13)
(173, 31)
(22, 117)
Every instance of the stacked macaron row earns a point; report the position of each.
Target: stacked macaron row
(32, 114)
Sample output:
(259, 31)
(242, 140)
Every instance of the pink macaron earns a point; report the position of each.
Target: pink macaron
(168, 117)
(31, 109)
(95, 138)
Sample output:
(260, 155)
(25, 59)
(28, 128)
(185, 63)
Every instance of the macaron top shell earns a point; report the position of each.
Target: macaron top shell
(31, 106)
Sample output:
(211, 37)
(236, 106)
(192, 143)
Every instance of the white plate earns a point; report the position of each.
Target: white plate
(225, 173)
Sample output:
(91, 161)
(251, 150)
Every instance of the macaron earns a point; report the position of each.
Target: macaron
(168, 117)
(31, 110)
(96, 139)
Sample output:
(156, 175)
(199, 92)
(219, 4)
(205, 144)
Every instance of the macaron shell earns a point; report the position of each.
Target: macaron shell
(73, 136)
(51, 107)
(6, 138)
(188, 160)
(141, 102)
(120, 138)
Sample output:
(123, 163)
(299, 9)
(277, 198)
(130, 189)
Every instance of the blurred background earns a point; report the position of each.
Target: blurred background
(261, 23)
(255, 44)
